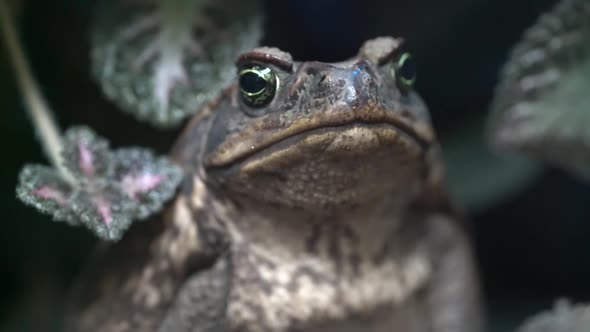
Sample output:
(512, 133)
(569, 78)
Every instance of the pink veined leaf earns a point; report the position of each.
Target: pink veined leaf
(42, 188)
(86, 159)
(144, 182)
(103, 207)
(111, 189)
(86, 154)
(47, 192)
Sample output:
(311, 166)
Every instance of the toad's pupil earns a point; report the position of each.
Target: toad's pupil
(407, 69)
(253, 82)
(258, 85)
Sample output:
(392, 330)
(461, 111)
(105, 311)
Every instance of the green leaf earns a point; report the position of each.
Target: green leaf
(479, 179)
(563, 318)
(542, 104)
(162, 60)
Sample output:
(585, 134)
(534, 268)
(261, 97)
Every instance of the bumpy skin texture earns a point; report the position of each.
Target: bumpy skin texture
(324, 210)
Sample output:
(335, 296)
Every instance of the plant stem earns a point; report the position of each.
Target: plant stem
(38, 109)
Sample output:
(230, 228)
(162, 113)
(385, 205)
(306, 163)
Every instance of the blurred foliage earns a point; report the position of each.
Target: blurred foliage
(542, 104)
(530, 224)
(162, 60)
(470, 163)
(563, 318)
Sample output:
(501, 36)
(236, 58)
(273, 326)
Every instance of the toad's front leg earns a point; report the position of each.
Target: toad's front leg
(201, 303)
(130, 285)
(453, 298)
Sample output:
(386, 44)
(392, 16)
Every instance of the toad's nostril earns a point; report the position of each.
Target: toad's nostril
(362, 86)
(362, 74)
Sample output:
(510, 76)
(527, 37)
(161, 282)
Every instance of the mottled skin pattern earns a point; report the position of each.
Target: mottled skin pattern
(323, 211)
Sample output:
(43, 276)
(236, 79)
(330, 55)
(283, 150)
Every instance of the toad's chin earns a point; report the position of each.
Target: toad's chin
(328, 166)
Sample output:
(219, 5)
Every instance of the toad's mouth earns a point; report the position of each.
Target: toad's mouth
(354, 134)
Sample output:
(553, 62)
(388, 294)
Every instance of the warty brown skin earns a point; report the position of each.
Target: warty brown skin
(324, 210)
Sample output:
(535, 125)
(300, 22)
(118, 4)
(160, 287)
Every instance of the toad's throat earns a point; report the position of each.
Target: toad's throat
(395, 132)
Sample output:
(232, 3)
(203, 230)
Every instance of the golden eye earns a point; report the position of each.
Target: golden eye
(258, 85)
(405, 72)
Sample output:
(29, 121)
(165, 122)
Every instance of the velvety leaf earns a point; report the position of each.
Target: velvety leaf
(109, 189)
(479, 179)
(107, 212)
(563, 318)
(162, 60)
(542, 105)
(42, 188)
(86, 155)
(147, 180)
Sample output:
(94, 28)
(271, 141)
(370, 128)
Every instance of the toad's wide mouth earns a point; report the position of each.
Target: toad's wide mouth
(382, 130)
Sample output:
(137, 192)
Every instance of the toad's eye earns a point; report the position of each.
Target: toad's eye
(405, 72)
(258, 85)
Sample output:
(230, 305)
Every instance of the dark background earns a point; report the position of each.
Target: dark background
(531, 234)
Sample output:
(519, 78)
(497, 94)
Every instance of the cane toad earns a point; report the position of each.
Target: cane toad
(314, 200)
